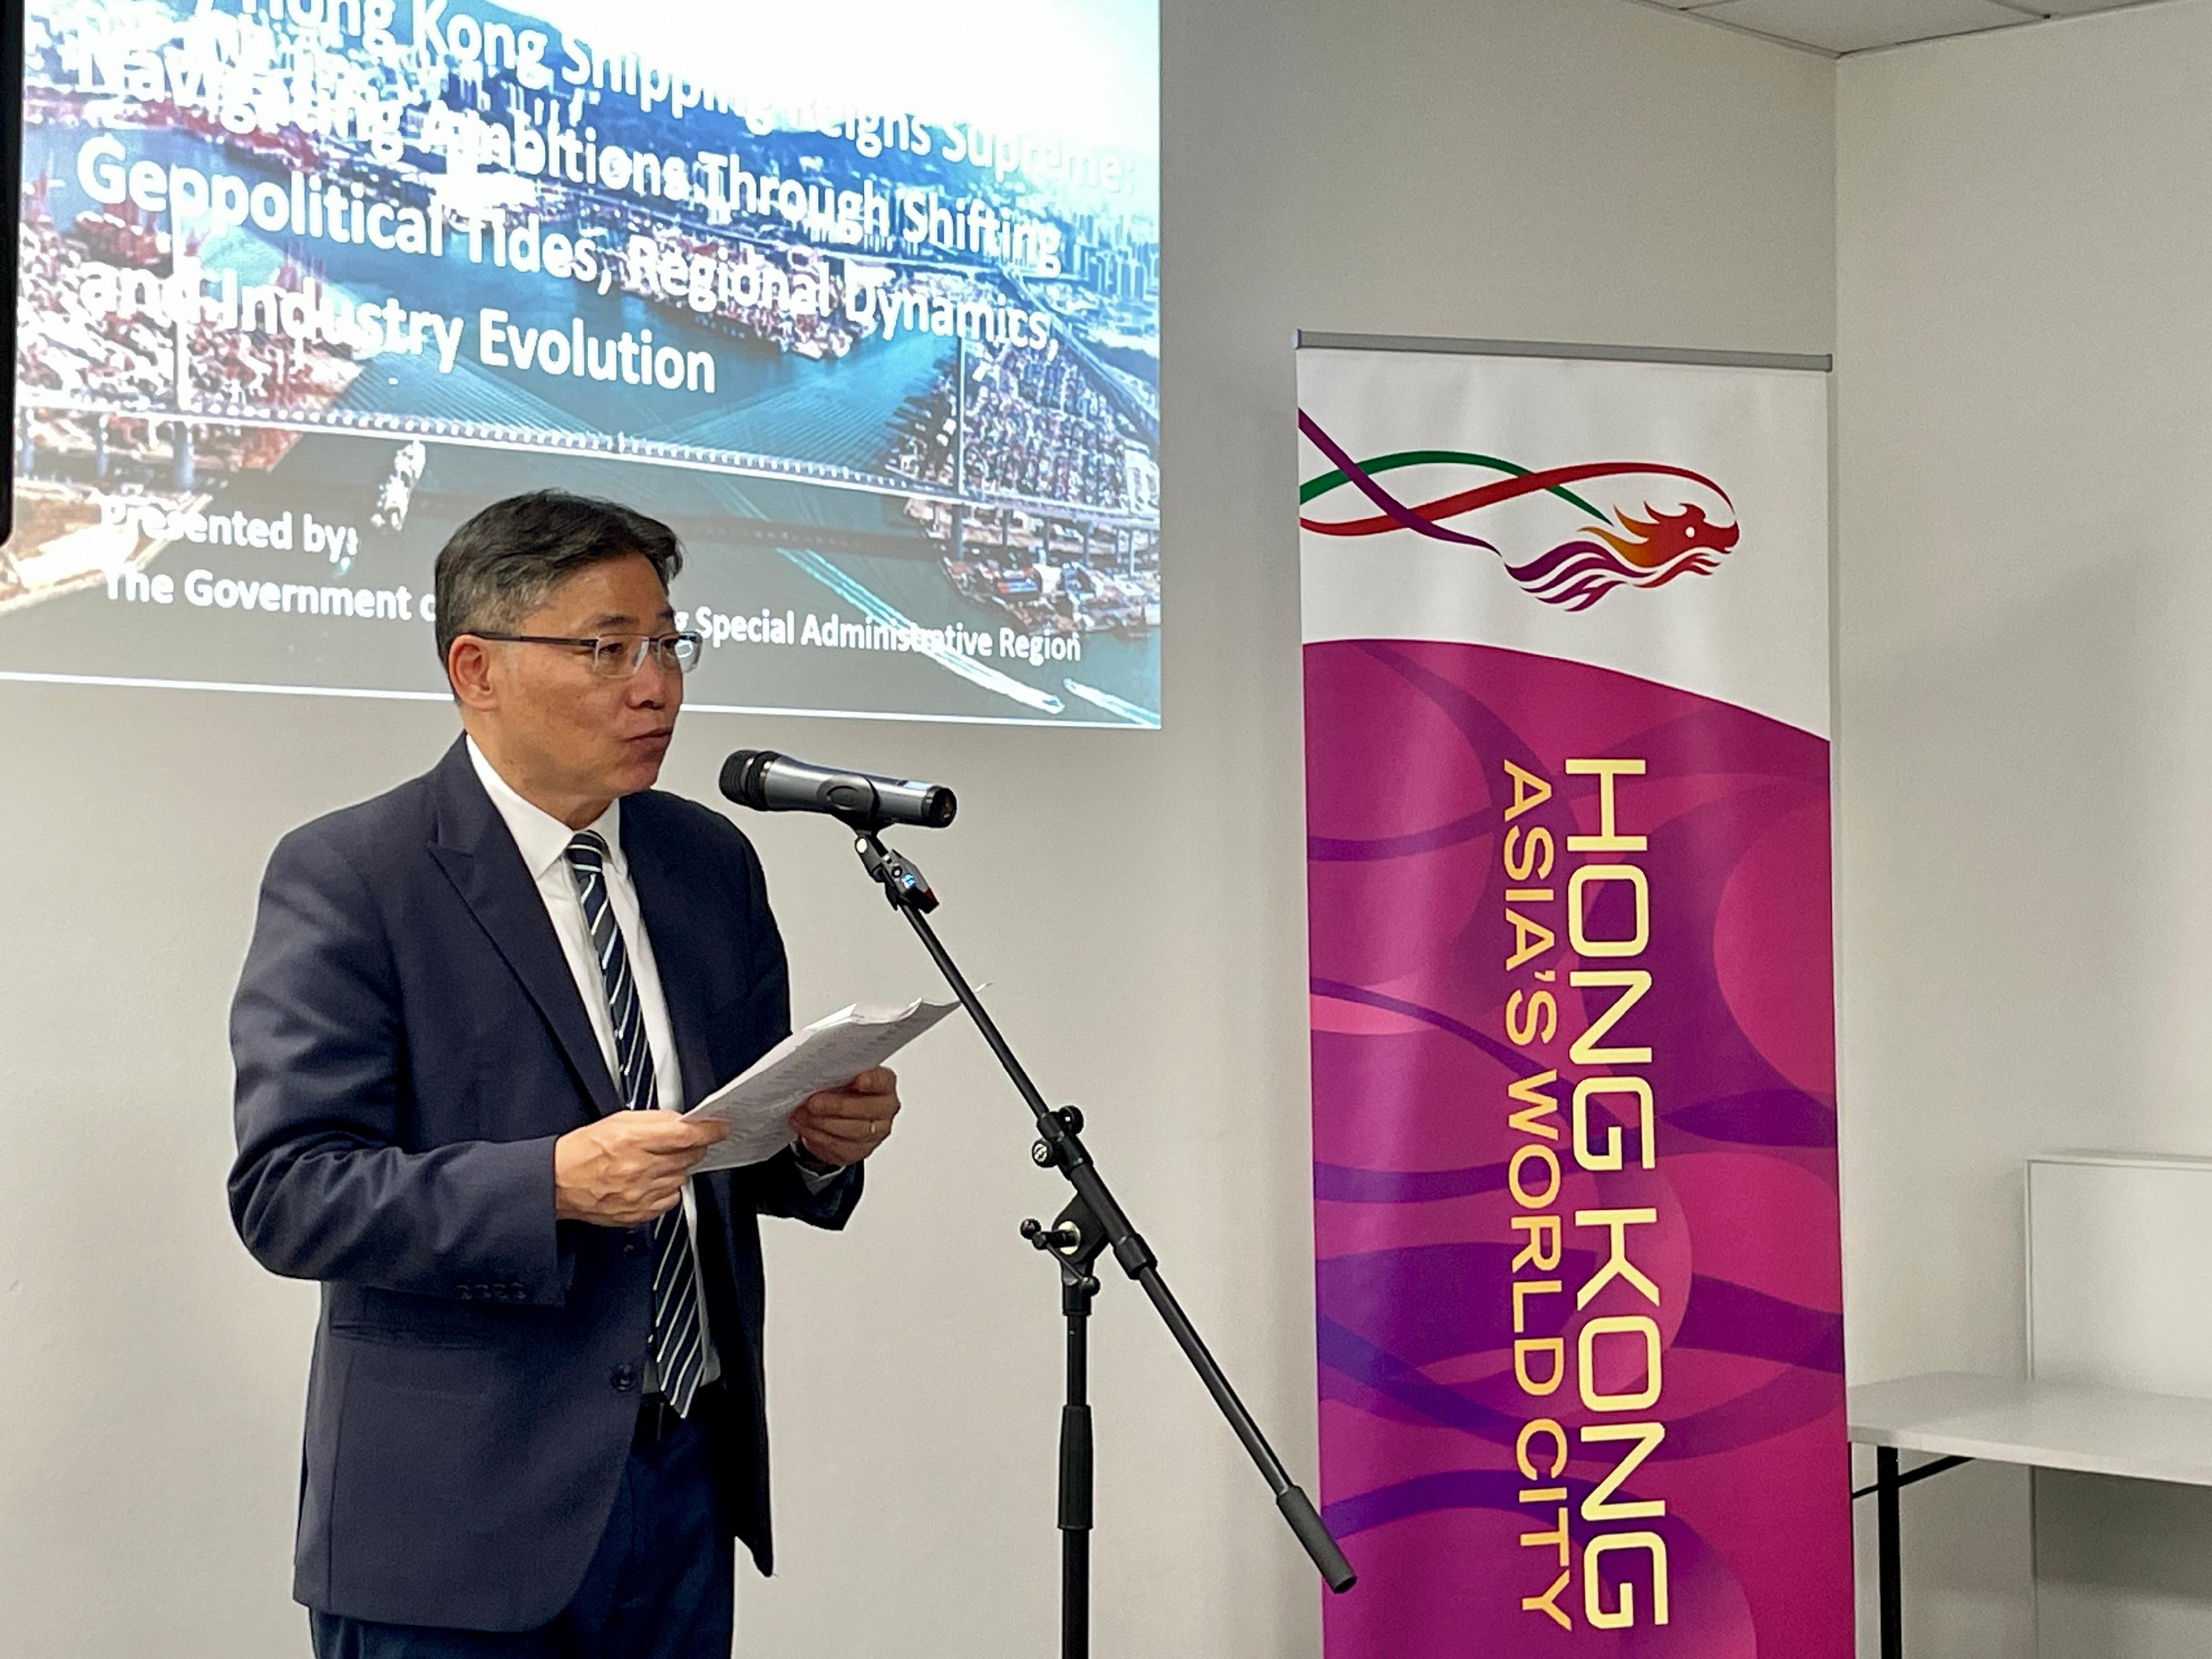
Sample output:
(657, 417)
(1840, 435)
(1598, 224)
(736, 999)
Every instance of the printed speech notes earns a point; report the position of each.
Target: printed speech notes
(827, 1054)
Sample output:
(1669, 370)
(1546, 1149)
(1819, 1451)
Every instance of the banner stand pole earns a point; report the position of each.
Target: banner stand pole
(1093, 1223)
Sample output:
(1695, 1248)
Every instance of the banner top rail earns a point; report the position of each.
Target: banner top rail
(1306, 339)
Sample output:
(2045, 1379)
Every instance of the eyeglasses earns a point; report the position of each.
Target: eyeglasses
(618, 656)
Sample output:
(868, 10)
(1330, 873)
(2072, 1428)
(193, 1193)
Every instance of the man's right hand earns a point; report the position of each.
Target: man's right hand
(628, 1167)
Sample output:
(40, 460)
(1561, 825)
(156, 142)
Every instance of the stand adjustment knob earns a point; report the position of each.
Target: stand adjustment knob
(1041, 1155)
(1072, 1118)
(1066, 1236)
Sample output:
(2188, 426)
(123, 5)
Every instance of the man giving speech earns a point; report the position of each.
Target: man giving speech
(469, 1014)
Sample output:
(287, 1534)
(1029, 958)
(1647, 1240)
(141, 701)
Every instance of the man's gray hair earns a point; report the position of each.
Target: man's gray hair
(506, 561)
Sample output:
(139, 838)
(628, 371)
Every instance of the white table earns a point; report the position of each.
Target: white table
(1960, 1418)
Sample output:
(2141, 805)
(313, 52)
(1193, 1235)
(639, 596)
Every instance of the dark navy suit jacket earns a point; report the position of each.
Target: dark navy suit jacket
(409, 1043)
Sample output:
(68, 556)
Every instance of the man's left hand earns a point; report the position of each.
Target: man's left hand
(843, 1126)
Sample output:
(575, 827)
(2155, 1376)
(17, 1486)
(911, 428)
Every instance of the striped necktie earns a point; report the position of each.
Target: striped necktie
(677, 1353)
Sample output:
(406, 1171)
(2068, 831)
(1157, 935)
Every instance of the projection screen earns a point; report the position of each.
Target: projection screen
(860, 296)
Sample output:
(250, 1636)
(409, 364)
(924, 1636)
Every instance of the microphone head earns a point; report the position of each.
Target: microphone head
(937, 806)
(741, 775)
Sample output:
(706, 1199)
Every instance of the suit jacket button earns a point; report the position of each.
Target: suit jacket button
(624, 1378)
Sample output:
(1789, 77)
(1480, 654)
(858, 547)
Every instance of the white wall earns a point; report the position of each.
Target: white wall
(2024, 372)
(1546, 168)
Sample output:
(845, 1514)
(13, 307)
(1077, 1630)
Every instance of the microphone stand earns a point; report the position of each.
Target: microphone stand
(1093, 1222)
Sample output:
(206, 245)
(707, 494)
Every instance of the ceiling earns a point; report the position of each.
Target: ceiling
(1839, 28)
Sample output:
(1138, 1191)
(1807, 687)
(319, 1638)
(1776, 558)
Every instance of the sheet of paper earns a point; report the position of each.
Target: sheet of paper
(827, 1054)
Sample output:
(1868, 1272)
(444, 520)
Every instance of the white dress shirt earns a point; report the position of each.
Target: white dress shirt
(542, 840)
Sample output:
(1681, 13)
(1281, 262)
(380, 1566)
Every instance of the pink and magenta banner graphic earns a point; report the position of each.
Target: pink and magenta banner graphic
(1578, 1282)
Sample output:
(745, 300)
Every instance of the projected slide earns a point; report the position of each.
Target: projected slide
(861, 296)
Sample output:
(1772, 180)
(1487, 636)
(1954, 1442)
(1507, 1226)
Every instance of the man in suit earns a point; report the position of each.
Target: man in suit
(535, 1410)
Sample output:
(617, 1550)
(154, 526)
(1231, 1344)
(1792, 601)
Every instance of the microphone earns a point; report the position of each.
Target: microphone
(769, 783)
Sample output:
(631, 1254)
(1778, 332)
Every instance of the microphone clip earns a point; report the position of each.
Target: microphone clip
(899, 876)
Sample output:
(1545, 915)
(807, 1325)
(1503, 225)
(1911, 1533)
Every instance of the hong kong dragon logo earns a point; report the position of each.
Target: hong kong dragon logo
(1682, 524)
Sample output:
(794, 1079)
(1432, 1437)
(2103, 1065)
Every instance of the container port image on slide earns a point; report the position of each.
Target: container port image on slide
(306, 283)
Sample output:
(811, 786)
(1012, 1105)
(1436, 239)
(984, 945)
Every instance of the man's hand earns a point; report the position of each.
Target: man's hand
(628, 1167)
(843, 1126)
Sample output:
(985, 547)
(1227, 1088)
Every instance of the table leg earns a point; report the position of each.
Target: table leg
(1890, 1552)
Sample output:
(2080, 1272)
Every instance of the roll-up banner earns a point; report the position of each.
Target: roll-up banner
(1578, 1280)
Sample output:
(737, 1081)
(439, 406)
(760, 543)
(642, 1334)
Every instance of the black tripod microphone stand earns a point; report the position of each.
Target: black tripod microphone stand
(1091, 1223)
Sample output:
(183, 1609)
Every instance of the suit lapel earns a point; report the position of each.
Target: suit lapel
(472, 846)
(659, 903)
